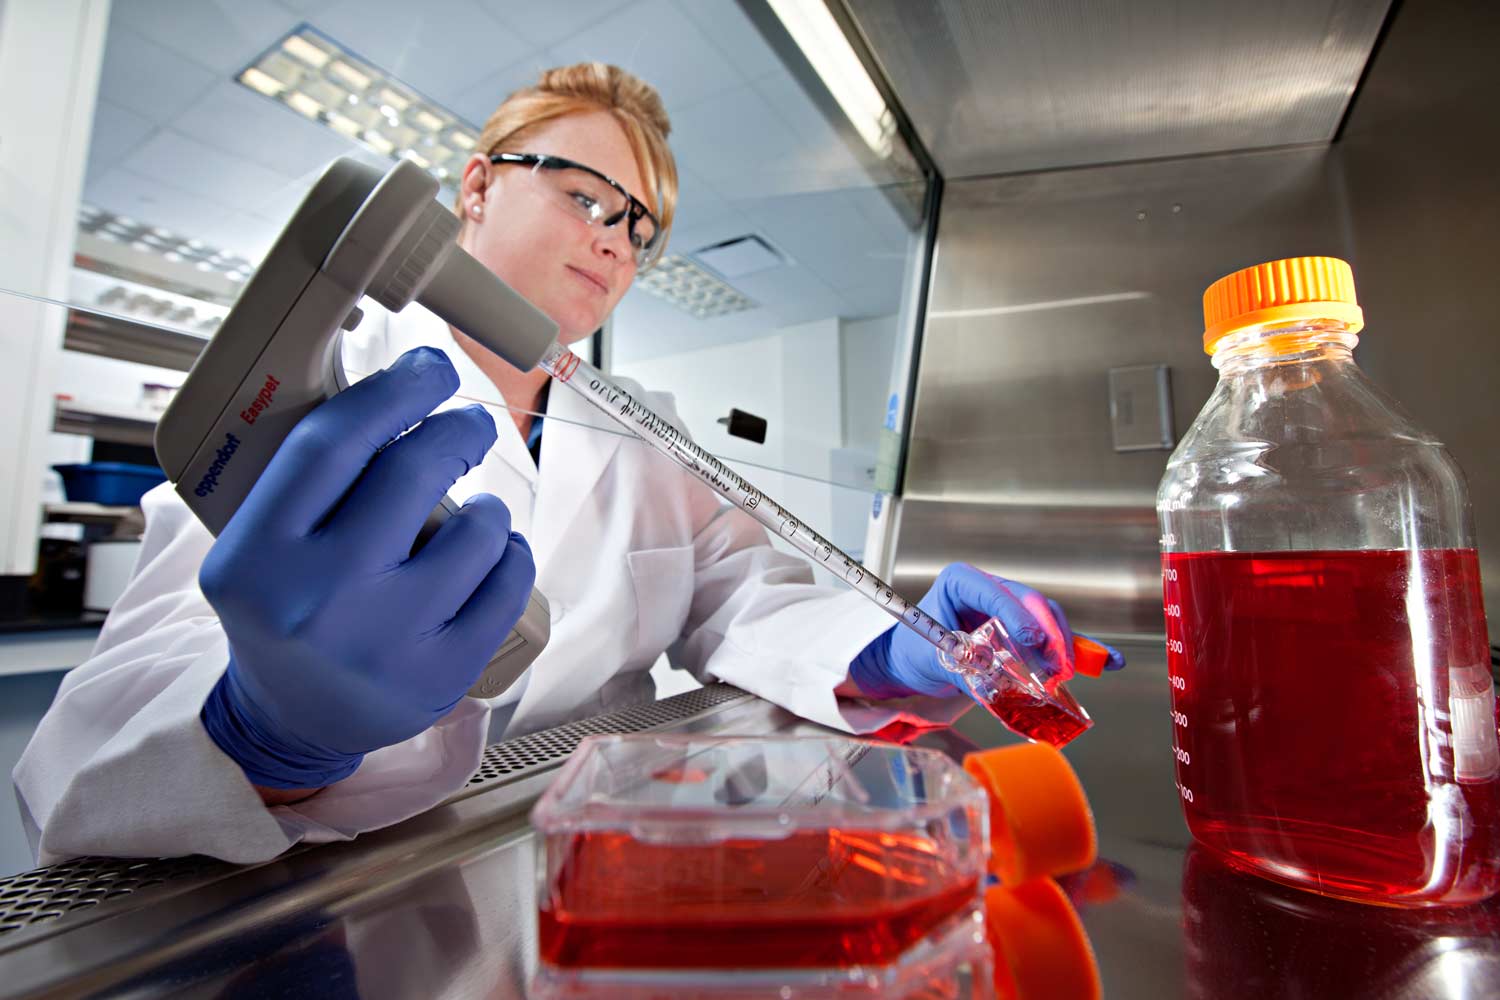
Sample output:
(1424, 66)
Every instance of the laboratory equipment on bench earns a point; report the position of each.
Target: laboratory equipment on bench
(791, 863)
(276, 356)
(781, 861)
(1333, 712)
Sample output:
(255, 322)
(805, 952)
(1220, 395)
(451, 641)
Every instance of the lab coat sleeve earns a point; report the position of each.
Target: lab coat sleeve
(759, 621)
(121, 765)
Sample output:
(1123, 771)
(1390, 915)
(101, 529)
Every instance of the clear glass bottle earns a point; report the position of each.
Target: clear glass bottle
(1333, 714)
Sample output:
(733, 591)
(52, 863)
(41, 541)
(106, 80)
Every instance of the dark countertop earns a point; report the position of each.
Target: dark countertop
(53, 623)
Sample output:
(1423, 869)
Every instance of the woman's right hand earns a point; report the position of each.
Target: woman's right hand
(341, 641)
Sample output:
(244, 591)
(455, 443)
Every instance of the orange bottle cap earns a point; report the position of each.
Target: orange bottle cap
(1040, 822)
(1041, 949)
(1089, 657)
(1281, 291)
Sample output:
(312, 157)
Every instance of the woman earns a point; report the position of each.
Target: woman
(313, 687)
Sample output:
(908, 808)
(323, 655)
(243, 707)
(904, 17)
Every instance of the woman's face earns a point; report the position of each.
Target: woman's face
(572, 271)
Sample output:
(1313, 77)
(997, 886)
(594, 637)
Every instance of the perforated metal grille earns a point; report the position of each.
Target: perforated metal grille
(48, 893)
(548, 747)
(45, 894)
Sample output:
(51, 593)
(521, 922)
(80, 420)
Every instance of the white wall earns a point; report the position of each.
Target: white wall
(866, 351)
(50, 55)
(793, 377)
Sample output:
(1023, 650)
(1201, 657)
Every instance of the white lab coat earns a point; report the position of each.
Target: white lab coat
(634, 555)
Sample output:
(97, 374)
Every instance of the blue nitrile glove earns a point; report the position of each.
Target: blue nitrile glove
(899, 662)
(341, 641)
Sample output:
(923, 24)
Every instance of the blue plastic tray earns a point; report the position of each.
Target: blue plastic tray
(111, 483)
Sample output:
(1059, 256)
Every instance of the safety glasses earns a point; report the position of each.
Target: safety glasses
(590, 196)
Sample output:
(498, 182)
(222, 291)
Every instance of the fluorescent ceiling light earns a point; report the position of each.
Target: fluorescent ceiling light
(817, 34)
(692, 289)
(259, 80)
(320, 79)
(306, 49)
(154, 239)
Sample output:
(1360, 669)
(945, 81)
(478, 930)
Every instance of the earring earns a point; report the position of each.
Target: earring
(478, 211)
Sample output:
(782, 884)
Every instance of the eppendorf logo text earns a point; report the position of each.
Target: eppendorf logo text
(210, 480)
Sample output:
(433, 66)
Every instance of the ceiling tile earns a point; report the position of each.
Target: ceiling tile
(654, 41)
(731, 139)
(689, 239)
(234, 119)
(440, 47)
(725, 24)
(822, 149)
(221, 35)
(146, 199)
(476, 103)
(825, 233)
(541, 24)
(149, 199)
(148, 78)
(888, 227)
(698, 203)
(791, 295)
(116, 132)
(193, 166)
(879, 299)
(280, 206)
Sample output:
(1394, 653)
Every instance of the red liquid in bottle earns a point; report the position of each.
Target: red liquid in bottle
(1314, 699)
(816, 899)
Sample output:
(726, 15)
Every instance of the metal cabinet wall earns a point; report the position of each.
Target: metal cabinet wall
(1044, 281)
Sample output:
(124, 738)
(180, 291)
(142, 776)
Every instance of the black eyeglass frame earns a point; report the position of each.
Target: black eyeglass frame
(634, 207)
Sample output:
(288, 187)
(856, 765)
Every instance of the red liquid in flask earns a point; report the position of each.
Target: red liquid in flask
(1036, 717)
(819, 898)
(1314, 701)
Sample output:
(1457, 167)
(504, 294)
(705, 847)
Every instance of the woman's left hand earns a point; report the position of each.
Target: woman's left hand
(900, 663)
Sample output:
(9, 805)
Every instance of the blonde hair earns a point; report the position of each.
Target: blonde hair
(595, 86)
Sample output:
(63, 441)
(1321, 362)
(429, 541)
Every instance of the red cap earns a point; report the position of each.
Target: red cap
(1089, 657)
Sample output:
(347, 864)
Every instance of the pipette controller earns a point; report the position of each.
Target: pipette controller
(277, 355)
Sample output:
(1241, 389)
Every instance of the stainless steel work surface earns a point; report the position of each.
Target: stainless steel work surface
(443, 905)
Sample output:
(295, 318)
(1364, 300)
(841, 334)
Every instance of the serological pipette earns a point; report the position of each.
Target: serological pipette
(987, 660)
